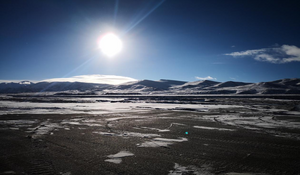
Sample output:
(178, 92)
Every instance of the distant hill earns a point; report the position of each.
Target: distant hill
(163, 86)
(198, 84)
(49, 86)
(149, 85)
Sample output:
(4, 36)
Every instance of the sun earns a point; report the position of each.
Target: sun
(110, 44)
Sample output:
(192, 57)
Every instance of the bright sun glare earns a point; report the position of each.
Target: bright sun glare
(110, 44)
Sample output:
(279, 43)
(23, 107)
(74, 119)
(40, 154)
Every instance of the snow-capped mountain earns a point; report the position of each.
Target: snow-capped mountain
(49, 86)
(163, 86)
(149, 85)
(198, 84)
(284, 86)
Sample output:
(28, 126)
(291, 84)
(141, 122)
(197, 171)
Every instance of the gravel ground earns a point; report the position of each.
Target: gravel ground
(147, 142)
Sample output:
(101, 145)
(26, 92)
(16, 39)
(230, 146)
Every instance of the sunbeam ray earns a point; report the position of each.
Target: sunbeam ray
(116, 11)
(145, 16)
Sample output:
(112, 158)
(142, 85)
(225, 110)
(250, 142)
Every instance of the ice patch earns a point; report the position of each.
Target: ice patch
(136, 134)
(156, 129)
(121, 154)
(44, 128)
(81, 121)
(128, 134)
(117, 158)
(180, 124)
(17, 122)
(163, 130)
(161, 142)
(266, 123)
(170, 140)
(70, 123)
(14, 107)
(92, 124)
(293, 112)
(122, 118)
(212, 128)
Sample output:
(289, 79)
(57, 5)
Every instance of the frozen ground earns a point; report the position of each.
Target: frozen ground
(140, 136)
(261, 114)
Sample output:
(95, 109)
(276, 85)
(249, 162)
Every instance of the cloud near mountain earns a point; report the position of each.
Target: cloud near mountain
(206, 78)
(100, 79)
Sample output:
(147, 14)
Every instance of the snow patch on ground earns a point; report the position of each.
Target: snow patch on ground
(126, 117)
(43, 129)
(16, 124)
(82, 121)
(161, 142)
(128, 134)
(163, 130)
(156, 129)
(117, 158)
(258, 123)
(15, 107)
(212, 128)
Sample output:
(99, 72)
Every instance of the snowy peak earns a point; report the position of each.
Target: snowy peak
(288, 82)
(150, 85)
(26, 86)
(25, 82)
(231, 84)
(172, 82)
(199, 84)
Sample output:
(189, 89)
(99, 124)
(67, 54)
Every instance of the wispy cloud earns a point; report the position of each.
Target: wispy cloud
(279, 55)
(206, 78)
(102, 79)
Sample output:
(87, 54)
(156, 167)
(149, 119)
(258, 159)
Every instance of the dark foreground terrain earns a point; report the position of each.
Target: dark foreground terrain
(148, 142)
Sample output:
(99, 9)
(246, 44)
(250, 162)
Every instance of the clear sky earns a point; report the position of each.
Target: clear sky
(239, 40)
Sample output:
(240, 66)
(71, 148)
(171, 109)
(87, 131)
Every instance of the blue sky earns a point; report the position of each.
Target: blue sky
(249, 41)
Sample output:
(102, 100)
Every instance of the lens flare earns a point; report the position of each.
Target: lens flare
(110, 44)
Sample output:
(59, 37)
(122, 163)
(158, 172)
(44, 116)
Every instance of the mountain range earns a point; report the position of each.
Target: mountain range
(163, 86)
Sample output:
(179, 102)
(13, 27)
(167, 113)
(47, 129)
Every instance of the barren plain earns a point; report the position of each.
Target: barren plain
(146, 135)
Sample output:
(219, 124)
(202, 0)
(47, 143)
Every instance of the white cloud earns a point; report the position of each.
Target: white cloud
(246, 53)
(206, 78)
(293, 51)
(279, 55)
(102, 79)
(266, 57)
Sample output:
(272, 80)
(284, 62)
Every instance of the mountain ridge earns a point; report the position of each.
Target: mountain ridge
(282, 86)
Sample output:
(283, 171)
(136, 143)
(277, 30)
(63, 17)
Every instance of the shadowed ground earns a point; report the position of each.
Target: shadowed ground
(158, 142)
